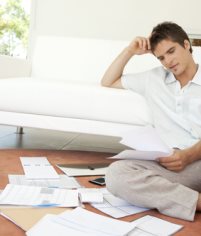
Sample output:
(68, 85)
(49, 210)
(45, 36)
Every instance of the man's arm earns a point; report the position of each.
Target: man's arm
(181, 158)
(112, 77)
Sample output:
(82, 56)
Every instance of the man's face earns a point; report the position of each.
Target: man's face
(173, 56)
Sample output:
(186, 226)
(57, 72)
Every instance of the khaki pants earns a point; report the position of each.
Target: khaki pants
(148, 184)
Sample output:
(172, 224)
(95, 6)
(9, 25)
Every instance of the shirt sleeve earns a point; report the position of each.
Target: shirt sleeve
(141, 82)
(136, 82)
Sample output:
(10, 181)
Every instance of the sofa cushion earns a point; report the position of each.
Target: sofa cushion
(72, 100)
(81, 59)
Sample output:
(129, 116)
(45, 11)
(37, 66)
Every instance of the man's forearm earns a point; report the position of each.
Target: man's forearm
(115, 70)
(194, 152)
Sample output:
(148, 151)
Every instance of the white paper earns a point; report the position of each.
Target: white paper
(139, 155)
(79, 222)
(97, 223)
(90, 195)
(146, 143)
(144, 139)
(82, 172)
(38, 168)
(38, 196)
(115, 206)
(155, 226)
(63, 182)
(46, 226)
(139, 232)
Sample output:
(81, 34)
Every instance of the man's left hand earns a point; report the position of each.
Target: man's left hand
(176, 162)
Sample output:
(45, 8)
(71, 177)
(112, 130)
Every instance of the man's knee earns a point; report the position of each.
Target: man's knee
(113, 175)
(117, 176)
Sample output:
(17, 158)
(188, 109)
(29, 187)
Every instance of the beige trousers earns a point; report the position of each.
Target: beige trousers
(148, 184)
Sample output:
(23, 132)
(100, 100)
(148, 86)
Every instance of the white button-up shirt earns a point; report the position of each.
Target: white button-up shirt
(176, 111)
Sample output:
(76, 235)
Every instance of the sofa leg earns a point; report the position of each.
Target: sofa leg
(19, 130)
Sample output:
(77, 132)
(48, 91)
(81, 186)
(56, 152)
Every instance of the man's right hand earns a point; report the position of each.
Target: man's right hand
(112, 77)
(139, 46)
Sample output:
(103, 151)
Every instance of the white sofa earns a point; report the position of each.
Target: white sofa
(60, 89)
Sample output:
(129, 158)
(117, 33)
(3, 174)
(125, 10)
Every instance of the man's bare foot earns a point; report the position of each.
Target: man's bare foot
(199, 203)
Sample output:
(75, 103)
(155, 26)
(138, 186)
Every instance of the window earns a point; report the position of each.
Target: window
(14, 27)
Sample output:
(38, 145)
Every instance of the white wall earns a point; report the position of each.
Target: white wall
(112, 19)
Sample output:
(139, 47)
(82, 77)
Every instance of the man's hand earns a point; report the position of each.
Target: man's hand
(176, 162)
(139, 46)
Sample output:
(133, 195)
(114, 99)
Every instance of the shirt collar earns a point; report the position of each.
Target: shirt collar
(196, 79)
(169, 77)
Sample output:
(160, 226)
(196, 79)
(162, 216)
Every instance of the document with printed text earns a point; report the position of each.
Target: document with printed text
(38, 168)
(64, 181)
(38, 196)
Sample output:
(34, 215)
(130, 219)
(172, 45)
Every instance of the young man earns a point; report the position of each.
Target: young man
(172, 184)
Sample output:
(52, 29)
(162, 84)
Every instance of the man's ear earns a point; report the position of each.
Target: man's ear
(187, 44)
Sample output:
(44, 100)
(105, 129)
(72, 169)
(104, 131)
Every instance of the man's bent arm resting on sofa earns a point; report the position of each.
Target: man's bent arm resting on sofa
(112, 77)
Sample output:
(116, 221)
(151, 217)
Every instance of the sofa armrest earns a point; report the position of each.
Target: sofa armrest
(14, 67)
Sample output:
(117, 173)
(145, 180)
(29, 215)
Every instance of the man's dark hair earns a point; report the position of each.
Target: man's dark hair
(168, 30)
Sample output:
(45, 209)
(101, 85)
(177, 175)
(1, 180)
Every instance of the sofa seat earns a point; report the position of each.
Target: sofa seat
(72, 99)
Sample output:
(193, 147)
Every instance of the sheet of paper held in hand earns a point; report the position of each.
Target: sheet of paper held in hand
(147, 144)
(38, 168)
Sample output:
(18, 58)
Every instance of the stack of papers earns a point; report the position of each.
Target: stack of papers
(31, 218)
(83, 169)
(80, 222)
(146, 143)
(38, 196)
(42, 187)
(38, 168)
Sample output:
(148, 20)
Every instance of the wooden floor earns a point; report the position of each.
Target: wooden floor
(10, 164)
